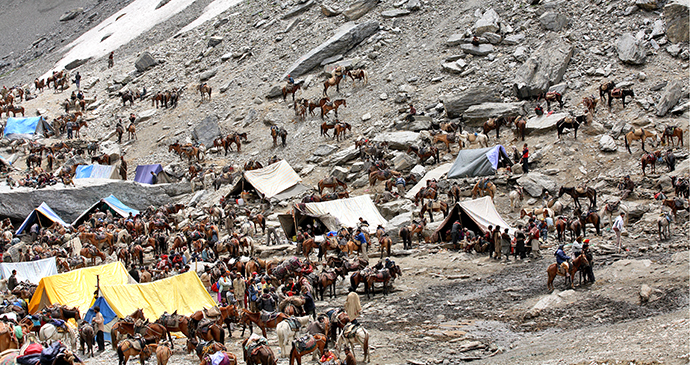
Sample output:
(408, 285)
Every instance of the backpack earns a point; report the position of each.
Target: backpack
(214, 287)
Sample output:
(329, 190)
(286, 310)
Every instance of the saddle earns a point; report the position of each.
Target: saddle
(563, 268)
(254, 342)
(581, 190)
(170, 320)
(268, 316)
(612, 207)
(137, 343)
(330, 274)
(616, 93)
(212, 313)
(680, 204)
(100, 236)
(294, 323)
(305, 343)
(350, 330)
(383, 274)
(204, 325)
(670, 130)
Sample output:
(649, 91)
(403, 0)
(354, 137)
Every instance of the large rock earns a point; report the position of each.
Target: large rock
(535, 183)
(70, 202)
(475, 95)
(71, 14)
(489, 22)
(339, 173)
(553, 20)
(630, 50)
(403, 162)
(299, 9)
(669, 98)
(325, 150)
(394, 224)
(347, 37)
(392, 209)
(394, 13)
(207, 75)
(76, 63)
(544, 123)
(420, 123)
(676, 17)
(344, 156)
(274, 92)
(397, 140)
(480, 50)
(607, 144)
(144, 62)
(214, 41)
(649, 5)
(418, 171)
(206, 131)
(545, 68)
(359, 8)
(484, 111)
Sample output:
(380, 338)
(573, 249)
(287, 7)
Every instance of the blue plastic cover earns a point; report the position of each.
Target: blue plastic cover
(143, 173)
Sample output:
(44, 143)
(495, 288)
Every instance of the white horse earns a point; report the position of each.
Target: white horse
(516, 197)
(248, 242)
(286, 334)
(664, 224)
(472, 138)
(607, 210)
(360, 336)
(49, 333)
(248, 228)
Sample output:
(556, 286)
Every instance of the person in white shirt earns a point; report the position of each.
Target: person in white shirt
(618, 228)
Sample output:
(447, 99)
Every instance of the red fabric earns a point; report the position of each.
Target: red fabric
(34, 348)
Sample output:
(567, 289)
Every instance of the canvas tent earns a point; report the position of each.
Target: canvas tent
(43, 215)
(110, 203)
(476, 214)
(96, 171)
(31, 127)
(479, 162)
(76, 288)
(332, 215)
(143, 174)
(32, 271)
(278, 179)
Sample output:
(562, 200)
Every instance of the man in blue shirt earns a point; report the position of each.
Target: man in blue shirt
(362, 239)
(562, 260)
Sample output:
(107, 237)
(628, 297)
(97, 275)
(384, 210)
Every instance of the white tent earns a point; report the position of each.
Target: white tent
(33, 271)
(433, 174)
(476, 214)
(347, 212)
(269, 181)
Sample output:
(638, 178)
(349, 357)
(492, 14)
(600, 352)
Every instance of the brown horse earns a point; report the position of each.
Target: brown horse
(589, 217)
(433, 206)
(325, 126)
(77, 127)
(676, 205)
(328, 279)
(620, 94)
(550, 97)
(334, 80)
(86, 338)
(424, 153)
(92, 253)
(290, 90)
(520, 125)
(574, 193)
(312, 105)
(483, 188)
(383, 276)
(278, 132)
(494, 123)
(605, 89)
(407, 232)
(130, 348)
(386, 244)
(641, 134)
(331, 182)
(381, 175)
(446, 138)
(650, 159)
(316, 344)
(552, 271)
(203, 90)
(670, 132)
(214, 332)
(260, 355)
(327, 107)
(340, 128)
(131, 132)
(590, 102)
(248, 317)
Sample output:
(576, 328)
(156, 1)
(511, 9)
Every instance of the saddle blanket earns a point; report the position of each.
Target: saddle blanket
(219, 358)
(350, 330)
(305, 343)
(268, 316)
(294, 323)
(254, 341)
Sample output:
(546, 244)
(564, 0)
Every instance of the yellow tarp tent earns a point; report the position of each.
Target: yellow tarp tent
(183, 293)
(76, 288)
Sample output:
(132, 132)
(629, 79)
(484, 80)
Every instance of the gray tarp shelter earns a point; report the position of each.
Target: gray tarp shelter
(479, 162)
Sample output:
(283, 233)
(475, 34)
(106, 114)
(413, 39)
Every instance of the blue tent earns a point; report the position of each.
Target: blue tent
(18, 128)
(109, 316)
(143, 174)
(111, 203)
(45, 217)
(95, 172)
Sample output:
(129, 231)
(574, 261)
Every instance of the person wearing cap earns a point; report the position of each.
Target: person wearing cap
(562, 260)
(254, 293)
(588, 271)
(362, 239)
(239, 287)
(618, 228)
(266, 302)
(577, 247)
(290, 80)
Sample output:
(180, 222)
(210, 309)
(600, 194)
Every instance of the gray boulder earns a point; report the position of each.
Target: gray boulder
(325, 150)
(420, 123)
(607, 144)
(214, 41)
(392, 209)
(274, 92)
(454, 67)
(455, 40)
(658, 29)
(339, 173)
(76, 63)
(414, 5)
(206, 131)
(489, 22)
(630, 50)
(513, 39)
(144, 62)
(394, 224)
(480, 50)
(397, 140)
(484, 111)
(403, 162)
(649, 5)
(205, 76)
(457, 105)
(669, 98)
(493, 38)
(359, 8)
(71, 14)
(545, 68)
(676, 18)
(394, 13)
(535, 183)
(347, 37)
(544, 123)
(344, 156)
(299, 9)
(329, 11)
(553, 20)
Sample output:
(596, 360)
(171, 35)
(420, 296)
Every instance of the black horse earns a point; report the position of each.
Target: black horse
(588, 192)
(620, 94)
(568, 122)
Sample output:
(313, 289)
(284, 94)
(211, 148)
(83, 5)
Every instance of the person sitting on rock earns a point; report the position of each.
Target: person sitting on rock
(627, 186)
(475, 41)
(539, 110)
(410, 117)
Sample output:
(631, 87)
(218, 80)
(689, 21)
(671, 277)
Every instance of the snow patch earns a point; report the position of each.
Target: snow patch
(211, 11)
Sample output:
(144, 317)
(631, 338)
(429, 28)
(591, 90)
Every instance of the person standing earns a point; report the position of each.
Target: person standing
(525, 158)
(111, 62)
(353, 306)
(97, 322)
(154, 178)
(123, 168)
(266, 302)
(206, 279)
(589, 272)
(519, 243)
(34, 232)
(497, 242)
(224, 286)
(239, 288)
(12, 281)
(618, 228)
(309, 305)
(361, 238)
(505, 244)
(577, 247)
(134, 273)
(400, 185)
(77, 80)
(455, 232)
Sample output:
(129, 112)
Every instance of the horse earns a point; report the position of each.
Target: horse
(292, 90)
(276, 132)
(407, 232)
(424, 153)
(131, 132)
(355, 334)
(567, 122)
(641, 134)
(334, 80)
(574, 193)
(313, 105)
(552, 271)
(77, 127)
(126, 96)
(286, 331)
(334, 105)
(385, 243)
(664, 225)
(471, 138)
(359, 74)
(520, 125)
(15, 110)
(536, 212)
(341, 128)
(203, 90)
(516, 197)
(92, 254)
(483, 188)
(675, 205)
(331, 182)
(669, 158)
(248, 317)
(425, 192)
(589, 217)
(605, 89)
(382, 276)
(433, 206)
(316, 343)
(163, 354)
(620, 94)
(561, 226)
(381, 175)
(670, 132)
(86, 338)
(650, 159)
(552, 96)
(130, 348)
(493, 123)
(102, 159)
(40, 84)
(446, 138)
(260, 355)
(590, 102)
(613, 207)
(49, 332)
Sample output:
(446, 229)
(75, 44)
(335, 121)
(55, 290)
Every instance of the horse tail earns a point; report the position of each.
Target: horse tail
(627, 146)
(120, 355)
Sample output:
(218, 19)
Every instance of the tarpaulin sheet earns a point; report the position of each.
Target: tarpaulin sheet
(22, 125)
(183, 293)
(433, 174)
(76, 288)
(94, 172)
(46, 212)
(483, 212)
(120, 208)
(273, 179)
(348, 211)
(33, 271)
(143, 173)
(109, 317)
(477, 162)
